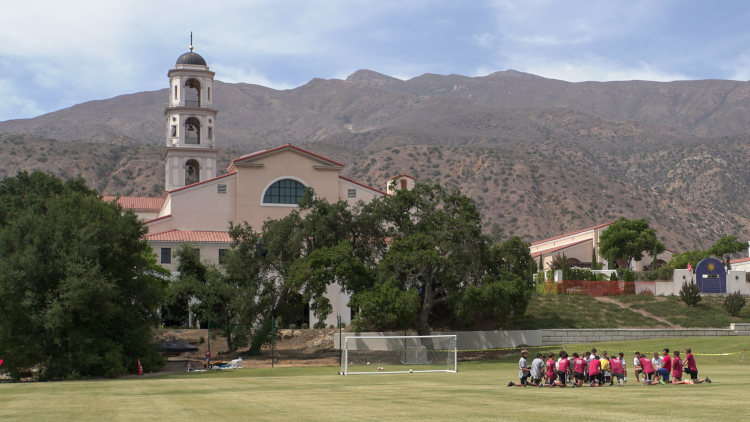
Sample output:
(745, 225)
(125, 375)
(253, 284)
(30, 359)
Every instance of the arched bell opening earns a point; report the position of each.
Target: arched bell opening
(192, 93)
(192, 172)
(192, 131)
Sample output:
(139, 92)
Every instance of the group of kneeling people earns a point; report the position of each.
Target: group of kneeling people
(597, 370)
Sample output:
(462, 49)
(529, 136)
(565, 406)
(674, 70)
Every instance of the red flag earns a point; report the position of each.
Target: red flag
(1, 361)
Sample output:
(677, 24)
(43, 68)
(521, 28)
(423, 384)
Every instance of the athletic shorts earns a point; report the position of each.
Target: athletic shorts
(536, 380)
(562, 377)
(618, 376)
(650, 376)
(693, 374)
(664, 373)
(577, 375)
(524, 380)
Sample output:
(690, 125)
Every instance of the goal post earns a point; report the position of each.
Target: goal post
(399, 354)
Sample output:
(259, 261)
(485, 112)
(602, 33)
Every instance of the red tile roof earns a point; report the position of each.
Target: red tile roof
(363, 185)
(203, 236)
(572, 233)
(266, 151)
(136, 202)
(205, 181)
(402, 175)
(558, 248)
(739, 260)
(147, 222)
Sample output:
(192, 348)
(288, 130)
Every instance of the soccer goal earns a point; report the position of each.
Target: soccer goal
(399, 354)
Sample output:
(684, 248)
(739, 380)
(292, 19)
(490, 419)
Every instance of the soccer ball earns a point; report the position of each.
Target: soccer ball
(411, 370)
(368, 363)
(380, 368)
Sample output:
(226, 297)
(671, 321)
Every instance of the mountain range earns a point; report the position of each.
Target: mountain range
(540, 156)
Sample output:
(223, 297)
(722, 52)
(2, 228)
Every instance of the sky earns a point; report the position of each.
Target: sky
(55, 54)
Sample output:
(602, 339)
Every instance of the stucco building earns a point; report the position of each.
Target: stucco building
(578, 247)
(199, 201)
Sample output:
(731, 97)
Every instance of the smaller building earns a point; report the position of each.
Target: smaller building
(580, 246)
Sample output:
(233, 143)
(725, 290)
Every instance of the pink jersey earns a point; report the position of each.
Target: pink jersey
(690, 361)
(677, 367)
(667, 363)
(579, 365)
(594, 366)
(563, 365)
(646, 365)
(616, 365)
(550, 369)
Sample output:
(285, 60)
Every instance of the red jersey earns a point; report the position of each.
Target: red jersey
(594, 366)
(667, 364)
(563, 365)
(677, 368)
(579, 365)
(616, 365)
(690, 361)
(550, 369)
(646, 365)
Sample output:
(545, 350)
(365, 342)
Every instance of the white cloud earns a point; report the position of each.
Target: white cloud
(232, 74)
(14, 106)
(739, 66)
(591, 69)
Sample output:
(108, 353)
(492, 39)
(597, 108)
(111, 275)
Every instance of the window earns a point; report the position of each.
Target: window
(403, 184)
(166, 255)
(221, 189)
(209, 94)
(222, 254)
(351, 193)
(210, 133)
(197, 253)
(284, 192)
(175, 92)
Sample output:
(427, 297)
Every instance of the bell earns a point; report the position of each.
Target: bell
(190, 128)
(190, 171)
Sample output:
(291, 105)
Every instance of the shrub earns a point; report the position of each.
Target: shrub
(613, 277)
(342, 325)
(319, 325)
(292, 326)
(201, 340)
(734, 303)
(329, 326)
(305, 326)
(690, 294)
(665, 272)
(646, 293)
(212, 336)
(539, 280)
(629, 276)
(359, 324)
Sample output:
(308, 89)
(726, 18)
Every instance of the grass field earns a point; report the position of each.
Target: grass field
(708, 312)
(477, 392)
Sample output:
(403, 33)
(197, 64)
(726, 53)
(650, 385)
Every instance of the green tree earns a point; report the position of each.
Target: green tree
(628, 239)
(690, 293)
(727, 246)
(80, 288)
(680, 261)
(439, 257)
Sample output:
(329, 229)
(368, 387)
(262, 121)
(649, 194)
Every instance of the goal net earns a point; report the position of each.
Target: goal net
(398, 354)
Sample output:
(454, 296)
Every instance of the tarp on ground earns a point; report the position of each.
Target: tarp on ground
(177, 346)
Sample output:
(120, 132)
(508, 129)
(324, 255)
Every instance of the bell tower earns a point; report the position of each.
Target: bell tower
(190, 151)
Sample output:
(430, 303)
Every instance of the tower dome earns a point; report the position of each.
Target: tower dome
(191, 58)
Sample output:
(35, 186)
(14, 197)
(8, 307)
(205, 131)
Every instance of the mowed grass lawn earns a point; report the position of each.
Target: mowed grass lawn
(477, 392)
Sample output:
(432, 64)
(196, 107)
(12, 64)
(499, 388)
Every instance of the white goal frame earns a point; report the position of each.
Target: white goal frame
(346, 354)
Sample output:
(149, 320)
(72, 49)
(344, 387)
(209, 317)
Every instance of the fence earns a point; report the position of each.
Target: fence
(601, 288)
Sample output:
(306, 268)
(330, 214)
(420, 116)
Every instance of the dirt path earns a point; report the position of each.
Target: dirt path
(640, 311)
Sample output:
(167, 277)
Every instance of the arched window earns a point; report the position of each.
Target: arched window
(285, 191)
(192, 172)
(192, 93)
(192, 131)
